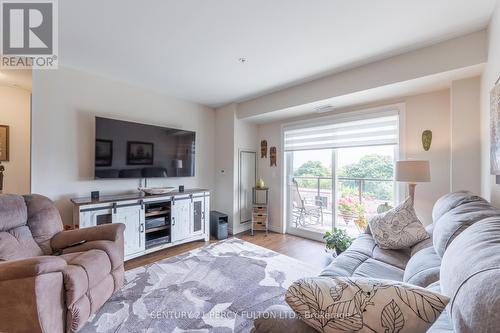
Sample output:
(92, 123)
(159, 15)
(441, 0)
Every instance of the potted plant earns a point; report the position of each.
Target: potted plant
(361, 221)
(382, 208)
(346, 207)
(337, 240)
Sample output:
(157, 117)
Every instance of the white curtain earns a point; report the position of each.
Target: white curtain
(344, 130)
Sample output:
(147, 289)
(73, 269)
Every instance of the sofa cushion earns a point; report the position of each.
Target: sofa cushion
(463, 214)
(365, 258)
(398, 228)
(372, 268)
(342, 304)
(392, 257)
(452, 200)
(470, 272)
(425, 243)
(423, 268)
(43, 220)
(12, 211)
(84, 271)
(17, 243)
(442, 324)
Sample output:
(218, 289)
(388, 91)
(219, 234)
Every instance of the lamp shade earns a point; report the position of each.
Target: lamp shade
(413, 171)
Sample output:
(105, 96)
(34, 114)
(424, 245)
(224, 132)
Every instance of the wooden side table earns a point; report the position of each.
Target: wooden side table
(260, 212)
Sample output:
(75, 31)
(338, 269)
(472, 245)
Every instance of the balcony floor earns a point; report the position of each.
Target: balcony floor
(327, 225)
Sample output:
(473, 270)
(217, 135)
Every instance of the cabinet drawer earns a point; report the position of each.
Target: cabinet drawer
(261, 218)
(259, 225)
(260, 209)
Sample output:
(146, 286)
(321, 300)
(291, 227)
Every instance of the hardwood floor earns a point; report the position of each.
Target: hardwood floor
(303, 249)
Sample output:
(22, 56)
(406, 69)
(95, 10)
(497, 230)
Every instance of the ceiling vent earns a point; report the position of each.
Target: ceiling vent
(324, 108)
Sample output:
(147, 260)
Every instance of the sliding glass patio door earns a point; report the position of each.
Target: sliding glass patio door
(311, 192)
(340, 174)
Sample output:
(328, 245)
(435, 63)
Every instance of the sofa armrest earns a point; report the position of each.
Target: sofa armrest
(114, 250)
(23, 268)
(32, 295)
(109, 232)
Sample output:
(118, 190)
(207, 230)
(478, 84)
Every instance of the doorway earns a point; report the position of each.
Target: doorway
(15, 131)
(340, 172)
(338, 188)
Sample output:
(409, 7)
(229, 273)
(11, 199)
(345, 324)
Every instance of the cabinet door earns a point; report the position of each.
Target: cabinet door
(181, 219)
(197, 216)
(206, 217)
(133, 218)
(95, 217)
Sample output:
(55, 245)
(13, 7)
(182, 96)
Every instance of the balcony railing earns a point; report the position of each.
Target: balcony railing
(360, 183)
(369, 192)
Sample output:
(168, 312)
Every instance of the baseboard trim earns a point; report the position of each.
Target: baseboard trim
(271, 228)
(276, 229)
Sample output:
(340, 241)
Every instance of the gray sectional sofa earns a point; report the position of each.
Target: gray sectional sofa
(460, 259)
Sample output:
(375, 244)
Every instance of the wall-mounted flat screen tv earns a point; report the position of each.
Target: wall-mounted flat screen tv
(126, 149)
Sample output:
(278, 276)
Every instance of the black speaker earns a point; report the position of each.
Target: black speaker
(181, 188)
(94, 195)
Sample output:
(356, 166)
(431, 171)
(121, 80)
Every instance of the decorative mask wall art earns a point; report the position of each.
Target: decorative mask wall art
(273, 156)
(263, 149)
(427, 139)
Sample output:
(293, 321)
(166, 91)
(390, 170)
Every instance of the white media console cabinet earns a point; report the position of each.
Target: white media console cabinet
(152, 222)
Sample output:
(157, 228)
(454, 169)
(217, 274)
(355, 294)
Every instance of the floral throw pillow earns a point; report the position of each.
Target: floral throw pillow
(342, 304)
(398, 228)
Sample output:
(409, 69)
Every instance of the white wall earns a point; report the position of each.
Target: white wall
(245, 138)
(272, 176)
(429, 111)
(466, 135)
(65, 103)
(15, 112)
(231, 136)
(224, 162)
(426, 111)
(489, 189)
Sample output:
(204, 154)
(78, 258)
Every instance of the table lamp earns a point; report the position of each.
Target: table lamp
(178, 165)
(413, 172)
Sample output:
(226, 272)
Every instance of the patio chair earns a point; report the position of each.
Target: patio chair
(305, 211)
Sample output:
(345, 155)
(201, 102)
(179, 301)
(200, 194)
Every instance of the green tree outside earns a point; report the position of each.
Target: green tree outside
(373, 166)
(313, 169)
(370, 166)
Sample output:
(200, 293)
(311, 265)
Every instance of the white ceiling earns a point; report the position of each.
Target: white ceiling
(190, 48)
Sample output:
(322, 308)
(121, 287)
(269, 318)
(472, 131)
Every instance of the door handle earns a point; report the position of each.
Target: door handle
(173, 220)
(141, 227)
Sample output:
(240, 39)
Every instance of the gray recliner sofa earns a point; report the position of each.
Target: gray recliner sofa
(460, 259)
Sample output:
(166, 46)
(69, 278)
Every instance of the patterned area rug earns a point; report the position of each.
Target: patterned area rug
(217, 288)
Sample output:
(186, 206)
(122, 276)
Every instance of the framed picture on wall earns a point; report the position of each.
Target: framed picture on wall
(103, 152)
(4, 143)
(140, 153)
